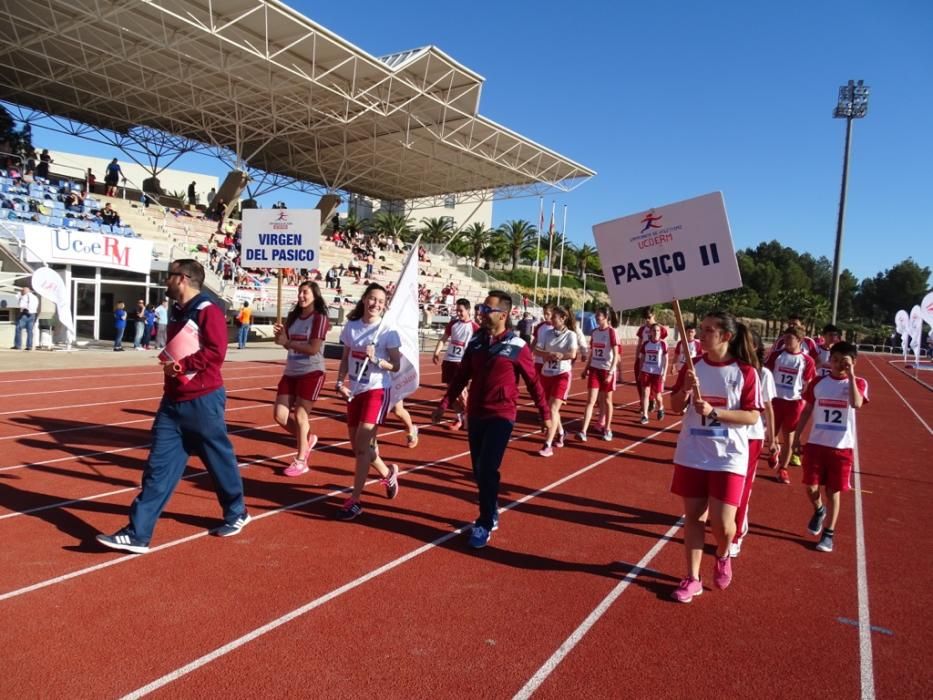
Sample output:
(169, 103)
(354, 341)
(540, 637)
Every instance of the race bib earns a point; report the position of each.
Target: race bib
(831, 414)
(358, 362)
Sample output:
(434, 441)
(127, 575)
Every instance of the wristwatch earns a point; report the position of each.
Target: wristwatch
(714, 415)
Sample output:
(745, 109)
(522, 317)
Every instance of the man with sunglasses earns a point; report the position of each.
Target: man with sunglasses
(190, 418)
(494, 360)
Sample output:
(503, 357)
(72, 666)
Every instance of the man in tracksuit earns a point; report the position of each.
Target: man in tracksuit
(494, 360)
(190, 418)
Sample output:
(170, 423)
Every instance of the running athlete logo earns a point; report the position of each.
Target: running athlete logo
(650, 219)
(282, 217)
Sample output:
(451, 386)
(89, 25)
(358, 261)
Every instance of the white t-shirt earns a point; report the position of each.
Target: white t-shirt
(768, 392)
(714, 445)
(458, 335)
(652, 356)
(603, 347)
(792, 371)
(534, 339)
(358, 336)
(833, 417)
(304, 330)
(823, 369)
(694, 347)
(552, 340)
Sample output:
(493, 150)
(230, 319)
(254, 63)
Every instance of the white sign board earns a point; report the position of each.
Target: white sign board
(50, 245)
(678, 251)
(279, 238)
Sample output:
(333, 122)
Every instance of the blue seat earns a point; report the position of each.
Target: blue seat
(44, 220)
(95, 226)
(56, 221)
(106, 228)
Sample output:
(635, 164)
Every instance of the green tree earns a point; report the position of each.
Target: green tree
(900, 287)
(391, 224)
(13, 140)
(476, 240)
(518, 235)
(436, 229)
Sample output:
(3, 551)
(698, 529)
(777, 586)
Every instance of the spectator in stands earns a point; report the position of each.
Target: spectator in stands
(112, 177)
(45, 160)
(210, 196)
(90, 181)
(73, 201)
(192, 194)
(161, 314)
(108, 216)
(139, 318)
(28, 308)
(219, 211)
(30, 164)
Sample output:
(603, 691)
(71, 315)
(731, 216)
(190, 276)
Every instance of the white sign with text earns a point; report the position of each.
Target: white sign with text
(44, 244)
(276, 238)
(677, 251)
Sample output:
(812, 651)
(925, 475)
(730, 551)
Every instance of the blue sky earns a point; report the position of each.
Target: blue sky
(669, 100)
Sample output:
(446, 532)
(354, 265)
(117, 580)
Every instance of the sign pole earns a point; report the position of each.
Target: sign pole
(683, 338)
(278, 298)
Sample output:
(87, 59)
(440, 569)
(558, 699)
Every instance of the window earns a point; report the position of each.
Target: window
(450, 202)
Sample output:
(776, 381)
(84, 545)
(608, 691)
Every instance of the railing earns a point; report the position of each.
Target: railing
(471, 272)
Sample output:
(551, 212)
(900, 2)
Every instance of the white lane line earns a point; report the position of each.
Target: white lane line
(577, 635)
(365, 578)
(866, 664)
(906, 402)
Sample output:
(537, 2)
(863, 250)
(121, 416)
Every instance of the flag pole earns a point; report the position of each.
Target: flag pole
(538, 245)
(550, 250)
(563, 239)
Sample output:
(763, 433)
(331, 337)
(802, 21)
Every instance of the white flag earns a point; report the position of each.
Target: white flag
(402, 317)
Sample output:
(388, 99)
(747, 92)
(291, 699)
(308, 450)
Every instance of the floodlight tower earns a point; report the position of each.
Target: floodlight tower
(853, 104)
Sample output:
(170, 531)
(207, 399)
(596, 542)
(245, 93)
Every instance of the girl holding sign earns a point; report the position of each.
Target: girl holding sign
(652, 357)
(302, 334)
(557, 347)
(724, 398)
(369, 354)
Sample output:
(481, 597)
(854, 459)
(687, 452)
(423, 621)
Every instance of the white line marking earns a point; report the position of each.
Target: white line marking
(867, 673)
(356, 583)
(577, 635)
(906, 402)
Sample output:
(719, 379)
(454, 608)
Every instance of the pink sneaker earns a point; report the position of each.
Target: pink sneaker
(391, 482)
(546, 451)
(297, 468)
(688, 589)
(722, 573)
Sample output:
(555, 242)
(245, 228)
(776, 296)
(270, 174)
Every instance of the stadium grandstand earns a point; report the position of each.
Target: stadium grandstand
(281, 102)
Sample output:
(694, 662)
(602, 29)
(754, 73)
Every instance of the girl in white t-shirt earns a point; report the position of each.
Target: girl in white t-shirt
(711, 457)
(557, 347)
(370, 352)
(302, 334)
(603, 363)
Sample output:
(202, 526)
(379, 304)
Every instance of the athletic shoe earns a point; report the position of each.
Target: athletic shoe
(660, 414)
(546, 451)
(123, 541)
(722, 573)
(644, 419)
(231, 529)
(783, 476)
(349, 510)
(826, 542)
(688, 589)
(607, 436)
(773, 460)
(391, 482)
(581, 437)
(297, 468)
(795, 460)
(815, 526)
(413, 438)
(479, 537)
(559, 442)
(456, 425)
(735, 549)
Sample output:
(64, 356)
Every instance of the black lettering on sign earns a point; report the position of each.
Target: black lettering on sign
(709, 254)
(646, 268)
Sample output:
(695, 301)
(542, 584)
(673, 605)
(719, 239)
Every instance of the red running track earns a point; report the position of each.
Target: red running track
(571, 599)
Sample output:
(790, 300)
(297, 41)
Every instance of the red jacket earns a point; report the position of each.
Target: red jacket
(494, 388)
(208, 360)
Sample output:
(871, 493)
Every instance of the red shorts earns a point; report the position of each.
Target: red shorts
(449, 371)
(601, 379)
(655, 382)
(369, 407)
(303, 386)
(787, 414)
(557, 386)
(827, 466)
(690, 482)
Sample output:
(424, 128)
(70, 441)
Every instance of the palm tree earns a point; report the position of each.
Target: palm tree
(436, 229)
(587, 257)
(391, 224)
(519, 238)
(477, 239)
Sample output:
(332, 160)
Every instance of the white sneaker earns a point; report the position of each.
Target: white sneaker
(735, 549)
(607, 436)
(581, 437)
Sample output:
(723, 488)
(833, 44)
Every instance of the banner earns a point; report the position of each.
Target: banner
(402, 317)
(916, 330)
(278, 238)
(47, 245)
(49, 284)
(678, 251)
(926, 309)
(902, 328)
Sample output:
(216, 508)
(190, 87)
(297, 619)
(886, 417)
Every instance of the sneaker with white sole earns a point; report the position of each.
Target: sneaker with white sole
(123, 541)
(735, 549)
(644, 420)
(391, 482)
(722, 572)
(349, 510)
(231, 529)
(607, 436)
(297, 468)
(559, 442)
(479, 537)
(815, 526)
(688, 589)
(546, 451)
(660, 414)
(826, 542)
(581, 437)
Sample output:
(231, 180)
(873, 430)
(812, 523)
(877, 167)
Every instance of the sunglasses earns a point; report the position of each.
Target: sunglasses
(486, 309)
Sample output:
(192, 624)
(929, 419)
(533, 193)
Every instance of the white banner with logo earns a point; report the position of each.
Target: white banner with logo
(678, 251)
(277, 238)
(402, 317)
(49, 284)
(76, 247)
